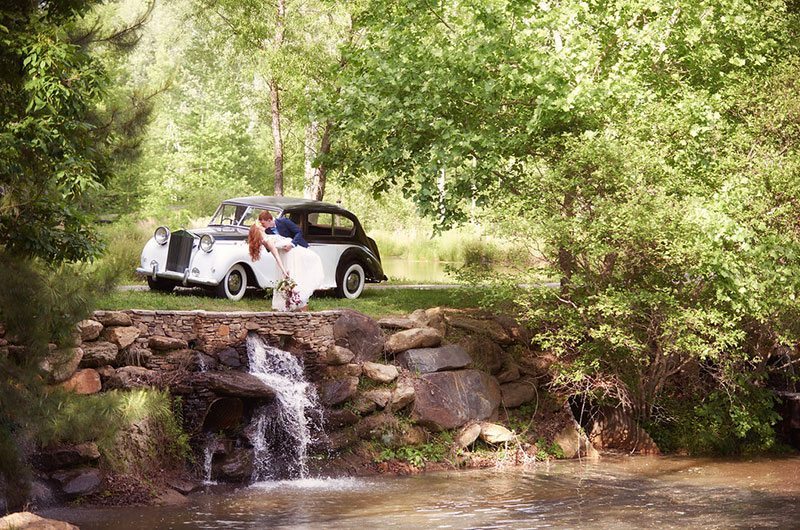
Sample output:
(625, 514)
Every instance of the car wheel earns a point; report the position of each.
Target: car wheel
(234, 284)
(351, 282)
(160, 284)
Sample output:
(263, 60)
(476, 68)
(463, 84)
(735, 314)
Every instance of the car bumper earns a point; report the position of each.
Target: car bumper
(184, 278)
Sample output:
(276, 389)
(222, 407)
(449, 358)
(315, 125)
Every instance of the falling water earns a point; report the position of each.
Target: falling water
(281, 432)
(208, 456)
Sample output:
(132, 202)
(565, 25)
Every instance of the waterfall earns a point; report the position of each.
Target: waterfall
(281, 432)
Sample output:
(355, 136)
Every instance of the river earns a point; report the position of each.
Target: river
(616, 492)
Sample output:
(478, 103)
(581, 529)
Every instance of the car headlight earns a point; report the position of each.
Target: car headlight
(161, 235)
(207, 243)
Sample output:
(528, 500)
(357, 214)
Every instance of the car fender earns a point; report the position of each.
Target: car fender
(367, 260)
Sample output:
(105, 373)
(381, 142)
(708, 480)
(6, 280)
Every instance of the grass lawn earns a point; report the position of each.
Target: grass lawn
(372, 302)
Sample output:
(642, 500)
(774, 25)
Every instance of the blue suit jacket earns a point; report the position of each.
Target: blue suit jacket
(287, 228)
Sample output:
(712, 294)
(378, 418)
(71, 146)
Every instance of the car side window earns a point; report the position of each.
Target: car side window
(320, 224)
(251, 217)
(343, 226)
(296, 218)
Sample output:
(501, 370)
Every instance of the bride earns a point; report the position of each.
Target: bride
(298, 265)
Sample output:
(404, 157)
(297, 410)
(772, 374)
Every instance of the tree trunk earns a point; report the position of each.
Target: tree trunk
(275, 101)
(315, 176)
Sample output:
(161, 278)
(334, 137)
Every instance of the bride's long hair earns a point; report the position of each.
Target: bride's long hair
(254, 239)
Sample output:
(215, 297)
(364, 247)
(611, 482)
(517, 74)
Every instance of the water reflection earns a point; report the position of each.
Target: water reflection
(614, 493)
(417, 271)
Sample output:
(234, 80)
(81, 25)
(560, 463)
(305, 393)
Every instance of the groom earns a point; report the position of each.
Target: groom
(282, 226)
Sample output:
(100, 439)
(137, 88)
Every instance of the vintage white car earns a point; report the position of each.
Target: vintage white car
(217, 256)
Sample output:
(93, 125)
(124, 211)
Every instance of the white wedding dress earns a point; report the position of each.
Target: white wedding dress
(305, 268)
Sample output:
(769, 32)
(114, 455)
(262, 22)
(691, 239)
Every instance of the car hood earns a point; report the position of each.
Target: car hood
(221, 233)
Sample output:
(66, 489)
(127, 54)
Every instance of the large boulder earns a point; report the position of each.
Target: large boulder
(382, 373)
(446, 400)
(517, 393)
(574, 443)
(488, 328)
(236, 384)
(380, 396)
(338, 355)
(50, 459)
(86, 381)
(122, 336)
(467, 435)
(335, 391)
(493, 433)
(61, 364)
(163, 343)
(615, 429)
(229, 357)
(427, 360)
(31, 521)
(113, 318)
(89, 329)
(360, 334)
(78, 482)
(485, 353)
(402, 395)
(99, 353)
(129, 377)
(412, 338)
(395, 323)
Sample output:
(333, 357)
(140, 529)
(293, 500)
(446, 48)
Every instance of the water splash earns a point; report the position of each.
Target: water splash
(208, 458)
(281, 432)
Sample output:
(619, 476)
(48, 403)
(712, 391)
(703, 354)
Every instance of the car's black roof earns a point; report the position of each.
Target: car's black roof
(287, 203)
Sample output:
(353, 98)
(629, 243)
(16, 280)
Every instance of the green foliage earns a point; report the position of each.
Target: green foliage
(417, 455)
(546, 450)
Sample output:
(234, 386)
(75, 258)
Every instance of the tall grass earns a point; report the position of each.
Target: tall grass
(460, 245)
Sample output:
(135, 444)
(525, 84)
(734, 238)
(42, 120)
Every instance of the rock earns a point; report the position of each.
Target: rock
(537, 366)
(412, 435)
(50, 459)
(412, 338)
(485, 354)
(338, 418)
(509, 373)
(236, 384)
(113, 318)
(135, 355)
(515, 330)
(170, 497)
(402, 395)
(616, 429)
(31, 521)
(364, 405)
(436, 319)
(344, 370)
(382, 426)
(236, 466)
(122, 336)
(495, 434)
(337, 391)
(467, 435)
(380, 396)
(229, 357)
(382, 373)
(78, 482)
(446, 400)
(98, 354)
(105, 372)
(427, 360)
(517, 393)
(86, 381)
(41, 494)
(360, 334)
(162, 343)
(61, 364)
(129, 377)
(337, 355)
(574, 443)
(89, 329)
(204, 363)
(420, 316)
(342, 439)
(183, 486)
(397, 323)
(488, 328)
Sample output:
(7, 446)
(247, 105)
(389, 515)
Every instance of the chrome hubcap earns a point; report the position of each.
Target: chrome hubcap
(353, 281)
(234, 282)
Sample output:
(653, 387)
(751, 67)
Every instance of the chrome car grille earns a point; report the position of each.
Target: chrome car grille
(180, 250)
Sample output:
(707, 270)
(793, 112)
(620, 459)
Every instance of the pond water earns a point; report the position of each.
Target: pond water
(618, 492)
(417, 271)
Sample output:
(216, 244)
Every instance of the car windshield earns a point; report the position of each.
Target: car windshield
(228, 214)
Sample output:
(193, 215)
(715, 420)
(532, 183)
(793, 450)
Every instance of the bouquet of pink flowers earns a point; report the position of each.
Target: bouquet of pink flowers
(287, 287)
